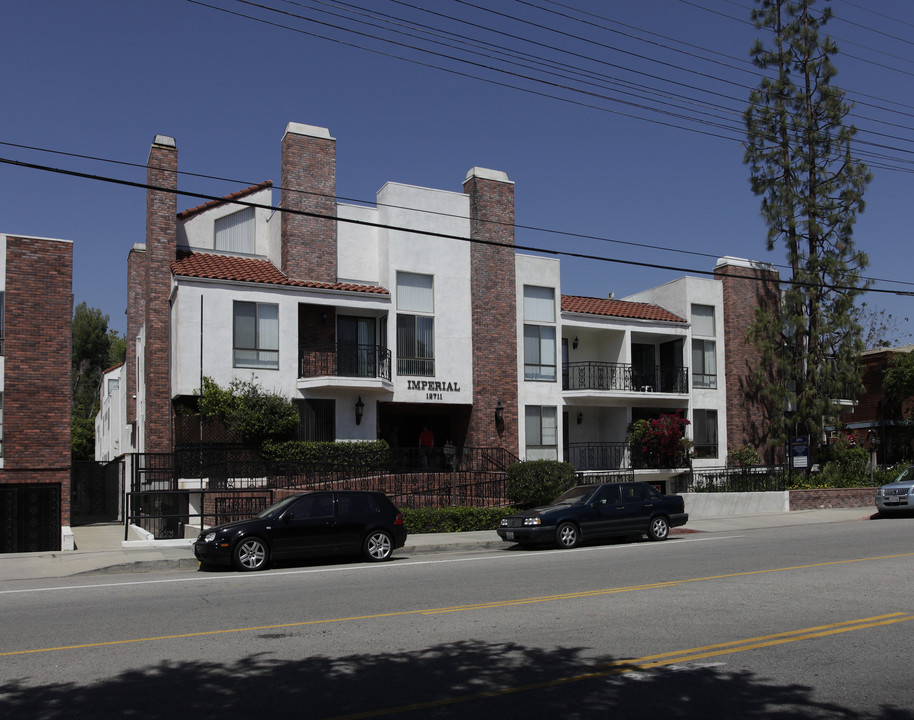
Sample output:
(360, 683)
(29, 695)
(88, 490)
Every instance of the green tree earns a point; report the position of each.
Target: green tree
(256, 414)
(95, 348)
(799, 152)
(898, 381)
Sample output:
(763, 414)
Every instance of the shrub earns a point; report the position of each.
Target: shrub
(452, 519)
(743, 456)
(297, 456)
(250, 410)
(537, 482)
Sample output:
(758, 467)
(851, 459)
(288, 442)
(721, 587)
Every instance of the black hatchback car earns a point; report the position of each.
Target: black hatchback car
(307, 525)
(588, 512)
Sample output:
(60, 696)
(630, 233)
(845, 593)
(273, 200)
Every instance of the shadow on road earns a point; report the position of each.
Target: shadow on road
(459, 680)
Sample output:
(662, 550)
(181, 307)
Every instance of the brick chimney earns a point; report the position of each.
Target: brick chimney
(309, 185)
(161, 235)
(492, 280)
(747, 286)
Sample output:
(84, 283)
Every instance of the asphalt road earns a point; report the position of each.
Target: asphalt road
(801, 622)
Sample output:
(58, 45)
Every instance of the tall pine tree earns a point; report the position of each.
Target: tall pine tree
(799, 152)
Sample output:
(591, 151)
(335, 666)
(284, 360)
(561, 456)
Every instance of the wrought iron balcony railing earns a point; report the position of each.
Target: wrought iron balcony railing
(347, 360)
(625, 378)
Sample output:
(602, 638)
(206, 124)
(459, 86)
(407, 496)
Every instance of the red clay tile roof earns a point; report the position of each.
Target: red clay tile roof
(225, 199)
(617, 308)
(244, 269)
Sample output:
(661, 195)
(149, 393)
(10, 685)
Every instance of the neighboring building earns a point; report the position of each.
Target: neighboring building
(872, 422)
(113, 436)
(36, 326)
(415, 312)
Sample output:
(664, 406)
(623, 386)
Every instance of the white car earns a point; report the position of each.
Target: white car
(897, 494)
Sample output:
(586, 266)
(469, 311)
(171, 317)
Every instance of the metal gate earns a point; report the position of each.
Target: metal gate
(29, 517)
(95, 492)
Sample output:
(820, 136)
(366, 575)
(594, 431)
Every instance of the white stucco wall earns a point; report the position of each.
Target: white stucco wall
(448, 261)
(358, 246)
(678, 297)
(542, 272)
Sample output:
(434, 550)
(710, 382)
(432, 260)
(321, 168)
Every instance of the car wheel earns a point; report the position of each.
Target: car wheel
(378, 546)
(567, 536)
(250, 553)
(659, 529)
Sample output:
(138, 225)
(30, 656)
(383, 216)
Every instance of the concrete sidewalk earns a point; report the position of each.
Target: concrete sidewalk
(102, 549)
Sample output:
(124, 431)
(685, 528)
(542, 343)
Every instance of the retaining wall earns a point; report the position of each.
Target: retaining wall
(710, 505)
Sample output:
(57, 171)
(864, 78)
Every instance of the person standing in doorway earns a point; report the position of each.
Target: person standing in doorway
(426, 443)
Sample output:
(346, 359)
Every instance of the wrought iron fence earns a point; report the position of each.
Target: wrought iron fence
(743, 479)
(599, 455)
(166, 514)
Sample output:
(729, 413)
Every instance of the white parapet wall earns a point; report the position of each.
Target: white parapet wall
(712, 505)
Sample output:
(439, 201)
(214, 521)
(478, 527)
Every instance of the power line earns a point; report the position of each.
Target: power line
(436, 213)
(884, 162)
(428, 233)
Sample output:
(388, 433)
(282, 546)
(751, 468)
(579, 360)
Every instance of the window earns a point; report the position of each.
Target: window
(416, 325)
(541, 426)
(256, 335)
(235, 232)
(539, 339)
(316, 420)
(704, 429)
(704, 352)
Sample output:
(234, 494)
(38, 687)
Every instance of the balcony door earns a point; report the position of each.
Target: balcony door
(643, 367)
(356, 351)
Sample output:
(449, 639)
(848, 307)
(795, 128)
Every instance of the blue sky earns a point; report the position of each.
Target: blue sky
(646, 162)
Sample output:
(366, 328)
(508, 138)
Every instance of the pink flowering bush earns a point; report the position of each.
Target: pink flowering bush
(659, 442)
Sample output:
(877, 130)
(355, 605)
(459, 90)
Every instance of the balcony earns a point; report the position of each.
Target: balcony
(618, 377)
(345, 361)
(587, 456)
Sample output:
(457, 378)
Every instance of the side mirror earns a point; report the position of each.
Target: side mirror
(286, 516)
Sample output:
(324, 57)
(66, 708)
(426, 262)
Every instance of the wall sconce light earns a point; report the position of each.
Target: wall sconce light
(499, 415)
(359, 410)
(580, 417)
(574, 345)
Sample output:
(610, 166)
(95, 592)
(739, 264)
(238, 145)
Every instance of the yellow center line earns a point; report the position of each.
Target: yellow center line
(618, 667)
(456, 608)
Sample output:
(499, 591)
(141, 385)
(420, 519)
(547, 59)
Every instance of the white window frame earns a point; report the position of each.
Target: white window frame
(263, 353)
(416, 324)
(540, 349)
(541, 427)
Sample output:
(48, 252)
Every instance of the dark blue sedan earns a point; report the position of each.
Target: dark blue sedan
(590, 512)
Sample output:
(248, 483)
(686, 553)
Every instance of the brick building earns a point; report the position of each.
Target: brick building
(36, 317)
(872, 422)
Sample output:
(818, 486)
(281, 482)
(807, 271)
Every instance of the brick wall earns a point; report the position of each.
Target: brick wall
(494, 313)
(308, 184)
(161, 236)
(833, 498)
(38, 327)
(747, 415)
(316, 327)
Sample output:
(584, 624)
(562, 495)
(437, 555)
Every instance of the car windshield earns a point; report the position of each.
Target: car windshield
(907, 475)
(576, 495)
(277, 507)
